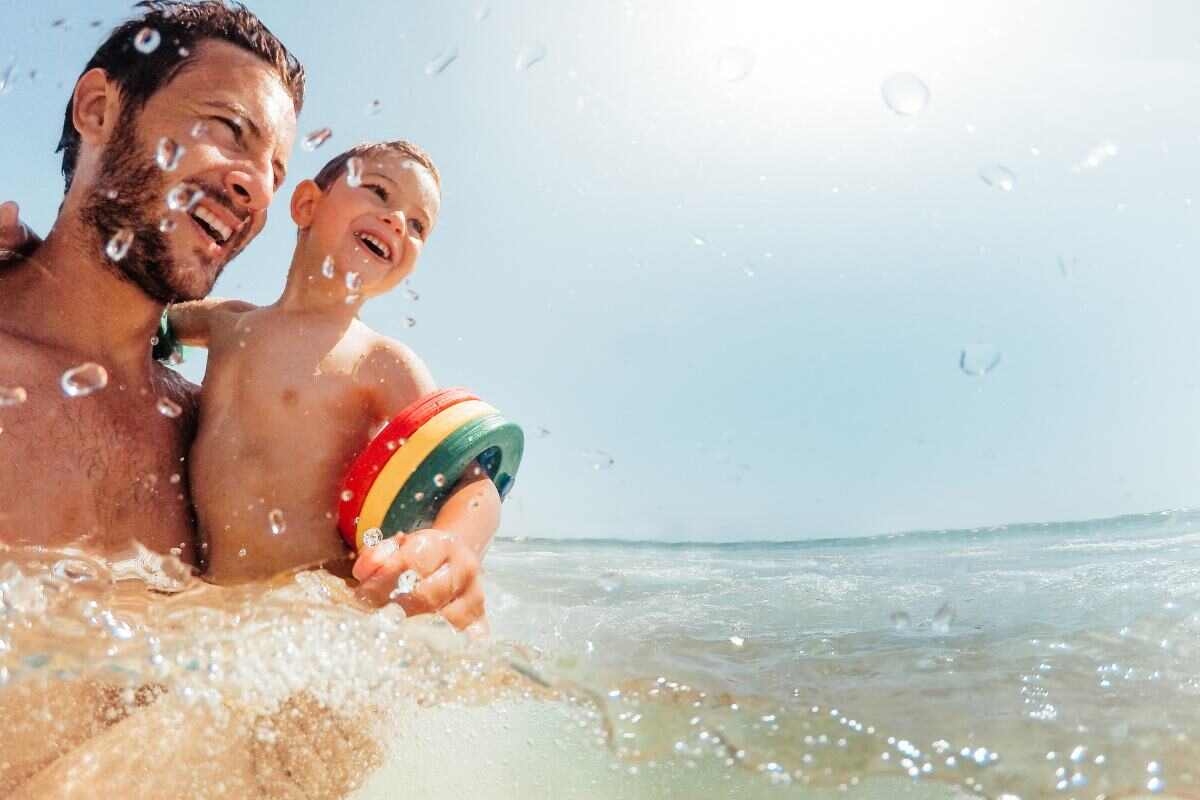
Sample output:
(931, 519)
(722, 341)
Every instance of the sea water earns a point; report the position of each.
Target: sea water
(1052, 660)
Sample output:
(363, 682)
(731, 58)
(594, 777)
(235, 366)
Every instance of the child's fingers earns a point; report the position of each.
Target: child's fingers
(371, 559)
(467, 610)
(9, 214)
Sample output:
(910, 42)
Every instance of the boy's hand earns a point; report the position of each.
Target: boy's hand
(446, 572)
(14, 235)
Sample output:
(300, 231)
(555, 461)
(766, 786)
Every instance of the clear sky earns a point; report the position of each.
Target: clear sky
(725, 288)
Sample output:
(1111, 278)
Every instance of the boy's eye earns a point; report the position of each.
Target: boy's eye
(417, 226)
(377, 189)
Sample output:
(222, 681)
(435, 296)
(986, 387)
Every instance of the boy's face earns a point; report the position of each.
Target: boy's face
(377, 229)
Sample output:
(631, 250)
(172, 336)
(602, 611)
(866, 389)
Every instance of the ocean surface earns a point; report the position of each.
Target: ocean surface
(1052, 660)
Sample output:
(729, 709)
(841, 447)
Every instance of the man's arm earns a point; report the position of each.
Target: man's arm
(193, 323)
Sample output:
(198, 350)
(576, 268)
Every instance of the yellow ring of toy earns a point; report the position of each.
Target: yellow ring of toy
(408, 458)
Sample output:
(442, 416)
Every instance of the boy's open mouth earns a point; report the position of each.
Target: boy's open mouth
(217, 230)
(378, 247)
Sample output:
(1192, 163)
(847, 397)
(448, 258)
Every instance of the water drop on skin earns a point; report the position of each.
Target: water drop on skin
(531, 54)
(119, 244)
(437, 65)
(168, 408)
(327, 267)
(406, 583)
(372, 537)
(184, 197)
(278, 524)
(354, 169)
(199, 129)
(242, 553)
(905, 94)
(12, 396)
(146, 41)
(168, 154)
(353, 281)
(316, 139)
(166, 225)
(84, 380)
(999, 177)
(735, 64)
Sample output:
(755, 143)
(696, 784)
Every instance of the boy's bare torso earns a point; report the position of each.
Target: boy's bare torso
(94, 470)
(287, 404)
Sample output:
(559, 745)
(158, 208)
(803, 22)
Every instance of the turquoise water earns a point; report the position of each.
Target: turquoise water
(1033, 661)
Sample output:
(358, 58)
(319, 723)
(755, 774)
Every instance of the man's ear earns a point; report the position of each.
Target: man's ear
(95, 106)
(304, 202)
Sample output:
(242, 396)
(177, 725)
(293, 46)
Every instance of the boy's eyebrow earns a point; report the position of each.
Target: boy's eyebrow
(241, 113)
(421, 208)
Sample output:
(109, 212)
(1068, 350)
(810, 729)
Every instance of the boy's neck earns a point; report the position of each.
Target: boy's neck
(310, 289)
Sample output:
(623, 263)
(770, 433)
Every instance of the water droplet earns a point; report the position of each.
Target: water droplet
(1096, 156)
(735, 63)
(354, 170)
(406, 583)
(1153, 768)
(979, 359)
(278, 523)
(372, 537)
(999, 177)
(184, 197)
(943, 619)
(600, 459)
(542, 433)
(611, 581)
(315, 139)
(698, 241)
(7, 77)
(353, 281)
(905, 93)
(12, 396)
(1078, 754)
(483, 12)
(168, 407)
(199, 129)
(84, 380)
(327, 267)
(242, 553)
(166, 224)
(119, 244)
(737, 641)
(175, 477)
(374, 107)
(168, 154)
(347, 496)
(437, 65)
(439, 480)
(409, 322)
(900, 620)
(419, 496)
(532, 53)
(146, 41)
(412, 295)
(351, 299)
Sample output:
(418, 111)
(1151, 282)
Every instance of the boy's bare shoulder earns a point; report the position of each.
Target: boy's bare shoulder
(393, 372)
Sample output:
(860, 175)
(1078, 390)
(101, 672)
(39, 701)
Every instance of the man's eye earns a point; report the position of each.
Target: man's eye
(232, 125)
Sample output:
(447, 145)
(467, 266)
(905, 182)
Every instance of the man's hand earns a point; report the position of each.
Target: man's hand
(15, 236)
(445, 569)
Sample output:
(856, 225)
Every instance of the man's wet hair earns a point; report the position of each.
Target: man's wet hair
(181, 27)
(337, 165)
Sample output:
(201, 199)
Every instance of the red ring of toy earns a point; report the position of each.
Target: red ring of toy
(366, 467)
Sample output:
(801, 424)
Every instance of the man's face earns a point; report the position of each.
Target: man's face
(192, 212)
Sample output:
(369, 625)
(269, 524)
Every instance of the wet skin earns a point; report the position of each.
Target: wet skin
(98, 469)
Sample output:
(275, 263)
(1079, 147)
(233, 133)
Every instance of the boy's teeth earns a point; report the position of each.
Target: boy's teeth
(222, 230)
(382, 247)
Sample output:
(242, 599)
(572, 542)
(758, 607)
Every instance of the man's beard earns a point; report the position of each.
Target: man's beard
(128, 195)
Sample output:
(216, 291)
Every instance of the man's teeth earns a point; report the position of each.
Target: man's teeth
(380, 247)
(204, 215)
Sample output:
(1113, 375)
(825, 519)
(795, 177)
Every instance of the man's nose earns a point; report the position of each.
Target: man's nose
(249, 190)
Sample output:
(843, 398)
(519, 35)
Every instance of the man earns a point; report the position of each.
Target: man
(96, 456)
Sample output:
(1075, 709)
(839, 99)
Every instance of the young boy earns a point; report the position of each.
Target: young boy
(293, 391)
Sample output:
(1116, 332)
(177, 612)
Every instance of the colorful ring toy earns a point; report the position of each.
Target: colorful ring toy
(398, 483)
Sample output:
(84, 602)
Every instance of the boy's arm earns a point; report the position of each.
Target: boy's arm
(193, 323)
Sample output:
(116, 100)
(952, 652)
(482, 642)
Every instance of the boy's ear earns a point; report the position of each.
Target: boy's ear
(95, 106)
(304, 202)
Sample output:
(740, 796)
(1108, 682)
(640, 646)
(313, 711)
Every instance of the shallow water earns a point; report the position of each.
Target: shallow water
(1035, 661)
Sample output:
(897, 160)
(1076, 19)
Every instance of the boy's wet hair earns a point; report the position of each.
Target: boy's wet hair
(337, 165)
(181, 26)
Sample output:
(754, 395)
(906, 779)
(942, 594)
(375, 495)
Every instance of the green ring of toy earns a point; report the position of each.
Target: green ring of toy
(498, 445)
